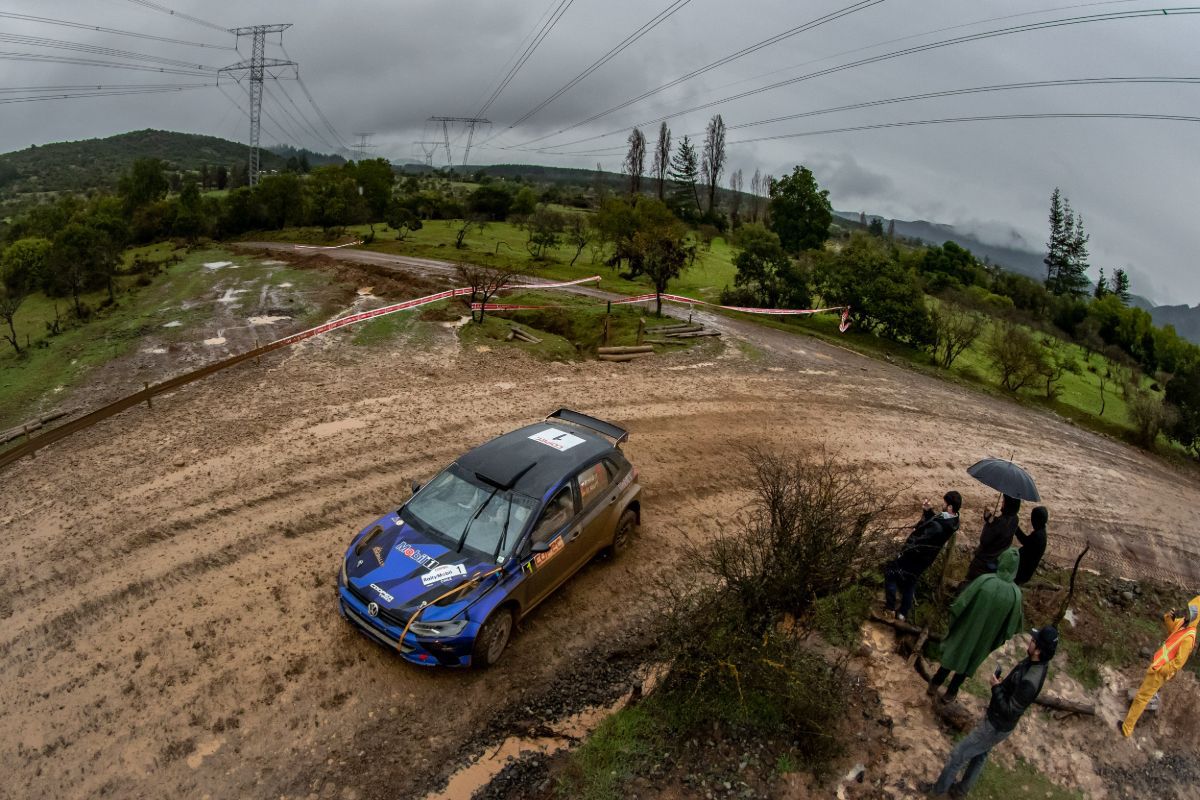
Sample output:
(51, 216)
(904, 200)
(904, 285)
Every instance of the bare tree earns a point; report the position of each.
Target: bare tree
(469, 223)
(735, 199)
(483, 282)
(756, 193)
(635, 160)
(662, 158)
(10, 301)
(713, 163)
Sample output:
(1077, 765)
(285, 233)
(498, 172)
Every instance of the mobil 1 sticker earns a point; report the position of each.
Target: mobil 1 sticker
(559, 440)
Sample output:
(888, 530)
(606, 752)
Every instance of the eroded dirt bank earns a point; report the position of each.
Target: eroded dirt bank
(167, 621)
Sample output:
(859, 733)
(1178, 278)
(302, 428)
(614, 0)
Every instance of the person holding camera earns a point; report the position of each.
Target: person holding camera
(1010, 697)
(920, 550)
(1167, 661)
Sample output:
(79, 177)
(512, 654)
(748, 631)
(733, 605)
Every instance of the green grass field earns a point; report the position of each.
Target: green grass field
(65, 360)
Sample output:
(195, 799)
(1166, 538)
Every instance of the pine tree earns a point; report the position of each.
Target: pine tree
(685, 170)
(1101, 286)
(1073, 280)
(1055, 247)
(1120, 285)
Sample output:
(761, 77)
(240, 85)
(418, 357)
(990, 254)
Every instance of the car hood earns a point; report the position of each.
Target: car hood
(401, 568)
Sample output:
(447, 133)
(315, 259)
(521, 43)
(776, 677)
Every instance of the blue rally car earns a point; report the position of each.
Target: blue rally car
(444, 578)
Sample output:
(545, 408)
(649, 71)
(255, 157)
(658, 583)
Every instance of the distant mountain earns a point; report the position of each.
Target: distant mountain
(1018, 258)
(99, 163)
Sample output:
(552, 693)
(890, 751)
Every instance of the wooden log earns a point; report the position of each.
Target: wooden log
(32, 425)
(917, 647)
(525, 336)
(622, 356)
(693, 334)
(905, 627)
(644, 348)
(674, 329)
(672, 326)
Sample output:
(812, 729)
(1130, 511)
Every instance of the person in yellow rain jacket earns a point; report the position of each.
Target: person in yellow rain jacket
(1168, 660)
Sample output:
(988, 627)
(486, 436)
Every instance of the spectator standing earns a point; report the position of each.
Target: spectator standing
(996, 537)
(920, 550)
(985, 616)
(1033, 545)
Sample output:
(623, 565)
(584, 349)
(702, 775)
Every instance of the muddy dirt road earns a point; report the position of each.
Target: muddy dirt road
(167, 613)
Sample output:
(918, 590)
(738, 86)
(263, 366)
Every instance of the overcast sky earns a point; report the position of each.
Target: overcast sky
(385, 66)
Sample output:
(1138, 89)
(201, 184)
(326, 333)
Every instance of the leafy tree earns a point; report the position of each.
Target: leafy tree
(954, 329)
(685, 171)
(491, 201)
(281, 200)
(544, 227)
(713, 162)
(875, 228)
(950, 266)
(800, 211)
(884, 295)
(402, 220)
(616, 223)
(766, 273)
(524, 203)
(22, 266)
(664, 255)
(1183, 392)
(579, 234)
(1016, 355)
(635, 160)
(82, 257)
(222, 177)
(145, 183)
(1056, 366)
(376, 178)
(190, 221)
(335, 199)
(1149, 414)
(1101, 286)
(662, 159)
(471, 222)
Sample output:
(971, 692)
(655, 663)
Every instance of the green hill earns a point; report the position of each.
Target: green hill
(99, 163)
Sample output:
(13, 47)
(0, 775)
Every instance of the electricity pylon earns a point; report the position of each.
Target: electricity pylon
(256, 68)
(363, 145)
(470, 122)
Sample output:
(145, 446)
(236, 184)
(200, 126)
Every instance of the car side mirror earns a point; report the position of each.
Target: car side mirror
(540, 547)
(416, 486)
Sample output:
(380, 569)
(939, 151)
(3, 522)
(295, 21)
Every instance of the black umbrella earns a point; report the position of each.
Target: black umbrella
(1005, 477)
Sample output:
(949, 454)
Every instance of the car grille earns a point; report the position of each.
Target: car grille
(371, 630)
(389, 616)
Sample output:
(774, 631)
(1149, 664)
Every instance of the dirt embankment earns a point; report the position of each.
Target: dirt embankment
(167, 619)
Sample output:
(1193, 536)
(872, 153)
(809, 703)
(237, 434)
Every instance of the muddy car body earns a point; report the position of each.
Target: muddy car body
(444, 578)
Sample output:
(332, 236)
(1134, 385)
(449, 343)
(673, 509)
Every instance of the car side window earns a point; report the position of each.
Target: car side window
(558, 513)
(593, 481)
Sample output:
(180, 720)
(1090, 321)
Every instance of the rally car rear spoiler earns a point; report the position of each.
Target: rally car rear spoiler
(597, 425)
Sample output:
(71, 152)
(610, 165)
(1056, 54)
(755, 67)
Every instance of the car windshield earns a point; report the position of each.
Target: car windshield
(467, 512)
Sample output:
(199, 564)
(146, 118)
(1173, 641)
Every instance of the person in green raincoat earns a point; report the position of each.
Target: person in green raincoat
(984, 617)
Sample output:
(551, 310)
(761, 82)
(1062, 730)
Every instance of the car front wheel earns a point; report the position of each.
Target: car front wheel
(492, 639)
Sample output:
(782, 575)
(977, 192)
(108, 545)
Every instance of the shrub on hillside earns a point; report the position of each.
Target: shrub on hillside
(1150, 415)
(1017, 357)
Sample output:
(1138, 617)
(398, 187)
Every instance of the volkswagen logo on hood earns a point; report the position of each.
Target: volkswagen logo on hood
(373, 609)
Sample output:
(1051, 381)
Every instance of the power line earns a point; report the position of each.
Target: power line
(520, 48)
(303, 116)
(979, 118)
(320, 114)
(163, 9)
(1115, 16)
(76, 95)
(533, 46)
(745, 51)
(660, 17)
(83, 26)
(95, 62)
(80, 47)
(99, 87)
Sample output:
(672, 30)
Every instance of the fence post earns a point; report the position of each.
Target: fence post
(641, 328)
(606, 328)
(149, 404)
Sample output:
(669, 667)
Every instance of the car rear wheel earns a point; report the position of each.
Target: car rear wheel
(493, 638)
(622, 534)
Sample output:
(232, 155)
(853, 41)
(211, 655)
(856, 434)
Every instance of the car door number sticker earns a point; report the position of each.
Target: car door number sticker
(559, 440)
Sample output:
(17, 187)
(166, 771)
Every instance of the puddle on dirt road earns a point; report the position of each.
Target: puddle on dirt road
(214, 265)
(216, 340)
(230, 296)
(156, 351)
(172, 324)
(273, 263)
(266, 320)
(555, 736)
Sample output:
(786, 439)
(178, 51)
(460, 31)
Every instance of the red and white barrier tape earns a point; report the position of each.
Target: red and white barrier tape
(843, 326)
(411, 304)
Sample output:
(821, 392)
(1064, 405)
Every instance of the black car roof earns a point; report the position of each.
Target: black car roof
(522, 460)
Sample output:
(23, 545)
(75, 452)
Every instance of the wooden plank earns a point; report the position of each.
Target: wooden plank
(644, 348)
(622, 356)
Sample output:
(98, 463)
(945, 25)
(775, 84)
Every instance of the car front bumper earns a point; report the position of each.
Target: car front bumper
(446, 652)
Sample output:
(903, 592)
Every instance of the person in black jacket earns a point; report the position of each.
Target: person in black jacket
(1033, 545)
(1010, 698)
(920, 550)
(996, 537)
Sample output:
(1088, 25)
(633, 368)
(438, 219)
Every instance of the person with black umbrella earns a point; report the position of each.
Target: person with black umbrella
(996, 537)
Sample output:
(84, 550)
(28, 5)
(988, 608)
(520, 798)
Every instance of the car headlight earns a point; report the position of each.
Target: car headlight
(451, 627)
